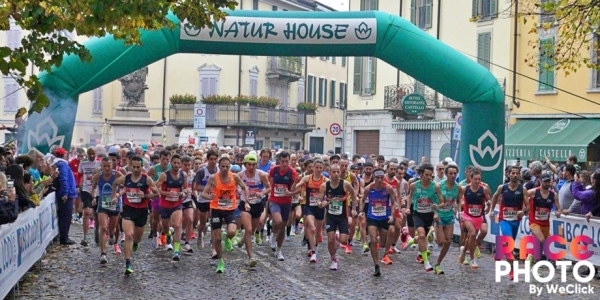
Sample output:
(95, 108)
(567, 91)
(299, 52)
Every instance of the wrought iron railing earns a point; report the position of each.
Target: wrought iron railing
(289, 66)
(393, 94)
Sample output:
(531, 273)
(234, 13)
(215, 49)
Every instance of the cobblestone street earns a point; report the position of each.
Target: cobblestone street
(75, 272)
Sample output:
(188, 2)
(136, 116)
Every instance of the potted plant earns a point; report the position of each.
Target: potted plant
(306, 107)
(183, 99)
(218, 100)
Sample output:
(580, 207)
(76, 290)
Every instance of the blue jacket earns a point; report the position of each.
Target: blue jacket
(66, 179)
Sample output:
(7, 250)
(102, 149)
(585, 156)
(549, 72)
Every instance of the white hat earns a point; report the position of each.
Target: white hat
(222, 149)
(448, 159)
(227, 148)
(252, 152)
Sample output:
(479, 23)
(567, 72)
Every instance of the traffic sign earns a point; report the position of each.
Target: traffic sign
(456, 135)
(199, 123)
(335, 129)
(204, 139)
(458, 120)
(199, 110)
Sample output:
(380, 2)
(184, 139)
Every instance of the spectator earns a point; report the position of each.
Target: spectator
(9, 208)
(38, 161)
(65, 194)
(535, 169)
(16, 173)
(565, 194)
(28, 180)
(526, 176)
(588, 197)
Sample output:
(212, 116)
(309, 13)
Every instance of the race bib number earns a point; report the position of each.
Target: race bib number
(225, 203)
(313, 198)
(424, 205)
(448, 205)
(295, 199)
(378, 209)
(542, 214)
(279, 190)
(509, 213)
(173, 199)
(132, 195)
(475, 210)
(107, 203)
(254, 196)
(336, 206)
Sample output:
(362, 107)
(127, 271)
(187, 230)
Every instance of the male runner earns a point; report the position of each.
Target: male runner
(258, 185)
(353, 180)
(154, 173)
(203, 204)
(444, 229)
(281, 178)
(475, 198)
(139, 189)
(541, 200)
(108, 212)
(333, 194)
(222, 188)
(313, 213)
(189, 207)
(87, 168)
(354, 228)
(368, 178)
(173, 189)
(382, 201)
(513, 204)
(425, 197)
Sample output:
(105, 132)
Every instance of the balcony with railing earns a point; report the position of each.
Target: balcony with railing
(244, 116)
(393, 94)
(284, 67)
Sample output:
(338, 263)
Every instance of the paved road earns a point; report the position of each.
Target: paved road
(75, 272)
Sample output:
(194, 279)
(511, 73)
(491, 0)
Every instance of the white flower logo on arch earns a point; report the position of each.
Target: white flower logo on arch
(486, 150)
(37, 139)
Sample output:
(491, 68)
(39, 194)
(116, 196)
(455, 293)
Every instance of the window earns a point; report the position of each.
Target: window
(421, 13)
(254, 81)
(11, 95)
(546, 65)
(255, 4)
(13, 36)
(97, 102)
(595, 55)
(546, 16)
(343, 61)
(332, 102)
(484, 46)
(333, 59)
(274, 7)
(369, 4)
(316, 144)
(272, 88)
(323, 57)
(284, 99)
(312, 89)
(301, 90)
(485, 9)
(209, 79)
(322, 91)
(365, 75)
(343, 94)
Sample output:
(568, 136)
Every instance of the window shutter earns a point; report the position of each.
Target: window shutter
(321, 92)
(283, 91)
(333, 59)
(487, 49)
(332, 94)
(343, 61)
(300, 93)
(11, 96)
(493, 8)
(255, 4)
(428, 14)
(13, 37)
(343, 93)
(373, 75)
(362, 5)
(357, 88)
(205, 86)
(311, 88)
(413, 11)
(475, 8)
(480, 39)
(97, 95)
(213, 84)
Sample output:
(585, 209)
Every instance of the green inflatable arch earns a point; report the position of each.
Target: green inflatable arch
(368, 33)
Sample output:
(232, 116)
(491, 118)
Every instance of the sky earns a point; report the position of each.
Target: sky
(340, 5)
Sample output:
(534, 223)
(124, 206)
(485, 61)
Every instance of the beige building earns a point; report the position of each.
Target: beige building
(376, 123)
(107, 115)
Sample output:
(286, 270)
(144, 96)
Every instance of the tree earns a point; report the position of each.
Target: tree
(574, 23)
(45, 46)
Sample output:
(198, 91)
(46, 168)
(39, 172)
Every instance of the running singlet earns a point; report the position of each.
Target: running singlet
(449, 196)
(105, 193)
(281, 182)
(87, 169)
(336, 198)
(511, 203)
(349, 179)
(131, 197)
(539, 210)
(172, 185)
(158, 170)
(423, 199)
(265, 168)
(225, 194)
(312, 190)
(366, 185)
(379, 204)
(255, 186)
(190, 180)
(202, 179)
(474, 202)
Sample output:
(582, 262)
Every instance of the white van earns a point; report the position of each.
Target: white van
(215, 135)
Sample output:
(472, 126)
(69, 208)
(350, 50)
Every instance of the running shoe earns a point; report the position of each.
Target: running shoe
(92, 224)
(396, 250)
(273, 243)
(386, 260)
(477, 252)
(409, 242)
(84, 242)
(461, 254)
(252, 262)
(419, 259)
(391, 251)
(111, 240)
(321, 239)
(97, 236)
(103, 259)
(438, 270)
(122, 238)
(150, 235)
(348, 249)
(192, 236)
(214, 254)
(366, 248)
(304, 242)
(377, 271)
(334, 265)
(228, 245)
(466, 261)
(357, 235)
(511, 275)
(117, 249)
(287, 238)
(310, 253)
(169, 247)
(280, 256)
(135, 247)
(428, 267)
(293, 232)
(473, 264)
(258, 238)
(128, 270)
(313, 258)
(431, 236)
(155, 242)
(188, 248)
(221, 266)
(175, 256)
(170, 235)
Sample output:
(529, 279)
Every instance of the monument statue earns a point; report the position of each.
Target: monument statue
(134, 85)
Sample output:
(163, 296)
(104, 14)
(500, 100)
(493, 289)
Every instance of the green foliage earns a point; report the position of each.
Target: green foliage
(241, 100)
(183, 99)
(305, 106)
(44, 47)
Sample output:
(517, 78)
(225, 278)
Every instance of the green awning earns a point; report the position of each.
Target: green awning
(556, 139)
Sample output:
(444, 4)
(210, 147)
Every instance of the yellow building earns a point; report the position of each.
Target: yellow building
(127, 110)
(555, 115)
(376, 122)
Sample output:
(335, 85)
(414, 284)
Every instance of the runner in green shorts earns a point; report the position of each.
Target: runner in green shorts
(444, 229)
